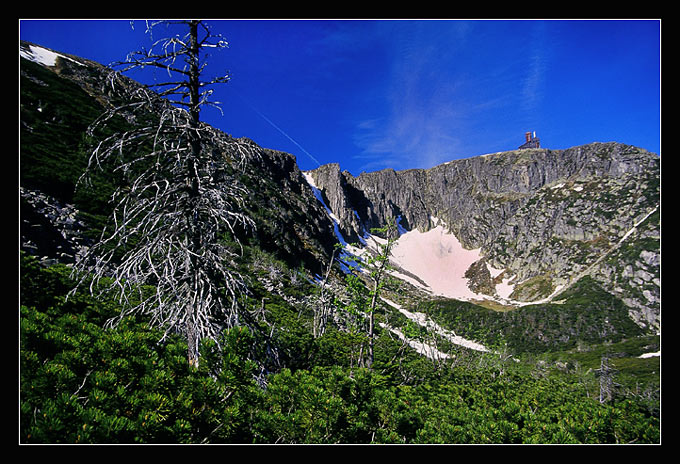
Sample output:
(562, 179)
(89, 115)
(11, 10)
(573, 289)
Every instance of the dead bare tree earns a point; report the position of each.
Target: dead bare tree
(323, 306)
(178, 201)
(606, 374)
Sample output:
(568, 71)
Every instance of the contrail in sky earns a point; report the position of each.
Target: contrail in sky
(278, 128)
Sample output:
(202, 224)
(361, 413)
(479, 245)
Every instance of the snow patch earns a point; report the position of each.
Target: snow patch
(424, 321)
(505, 288)
(43, 56)
(420, 347)
(438, 259)
(345, 260)
(493, 271)
(401, 229)
(317, 193)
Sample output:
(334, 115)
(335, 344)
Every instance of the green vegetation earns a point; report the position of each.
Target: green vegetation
(588, 314)
(81, 383)
(54, 116)
(534, 289)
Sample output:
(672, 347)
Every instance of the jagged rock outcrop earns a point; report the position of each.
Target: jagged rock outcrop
(342, 199)
(475, 196)
(50, 229)
(290, 222)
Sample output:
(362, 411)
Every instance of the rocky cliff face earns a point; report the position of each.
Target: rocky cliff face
(544, 217)
(290, 222)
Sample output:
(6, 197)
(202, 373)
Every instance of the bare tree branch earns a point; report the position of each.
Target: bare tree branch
(167, 253)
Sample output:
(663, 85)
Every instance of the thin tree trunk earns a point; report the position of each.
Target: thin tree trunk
(195, 143)
(374, 297)
(192, 345)
(321, 314)
(371, 323)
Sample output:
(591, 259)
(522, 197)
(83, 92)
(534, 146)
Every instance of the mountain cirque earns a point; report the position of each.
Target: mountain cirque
(538, 219)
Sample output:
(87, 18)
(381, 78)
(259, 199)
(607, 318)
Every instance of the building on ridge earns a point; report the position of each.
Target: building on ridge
(531, 141)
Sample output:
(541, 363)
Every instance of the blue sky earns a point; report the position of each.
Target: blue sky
(374, 94)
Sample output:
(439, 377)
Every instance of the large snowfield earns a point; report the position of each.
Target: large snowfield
(438, 259)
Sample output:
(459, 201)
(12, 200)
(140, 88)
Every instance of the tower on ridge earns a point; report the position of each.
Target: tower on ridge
(531, 141)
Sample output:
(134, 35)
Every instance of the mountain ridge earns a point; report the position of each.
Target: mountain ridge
(543, 216)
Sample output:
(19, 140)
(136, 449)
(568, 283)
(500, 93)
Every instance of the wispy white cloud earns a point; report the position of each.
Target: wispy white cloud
(416, 123)
(414, 137)
(534, 78)
(450, 85)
